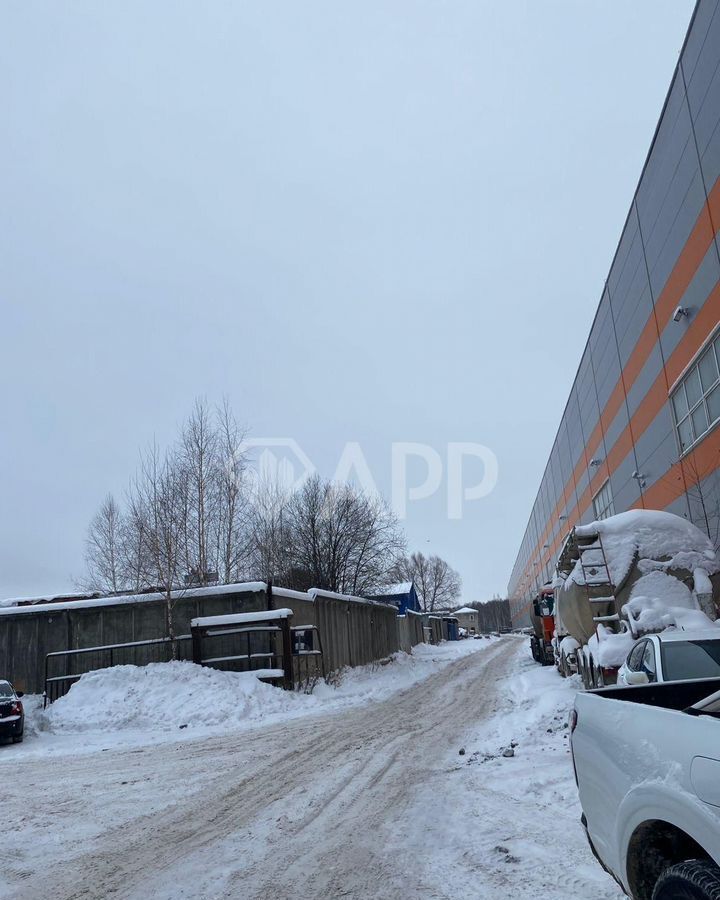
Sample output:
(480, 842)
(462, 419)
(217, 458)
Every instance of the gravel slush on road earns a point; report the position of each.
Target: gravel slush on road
(372, 801)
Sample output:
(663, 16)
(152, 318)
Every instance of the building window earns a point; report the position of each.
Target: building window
(603, 502)
(696, 401)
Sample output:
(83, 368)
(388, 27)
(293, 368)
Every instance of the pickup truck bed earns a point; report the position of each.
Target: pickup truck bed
(648, 776)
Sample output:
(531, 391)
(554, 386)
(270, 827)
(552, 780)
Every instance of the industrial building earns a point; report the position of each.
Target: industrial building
(640, 427)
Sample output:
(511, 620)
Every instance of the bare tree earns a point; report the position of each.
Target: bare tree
(268, 538)
(198, 456)
(339, 538)
(438, 585)
(137, 562)
(232, 502)
(188, 513)
(161, 500)
(104, 548)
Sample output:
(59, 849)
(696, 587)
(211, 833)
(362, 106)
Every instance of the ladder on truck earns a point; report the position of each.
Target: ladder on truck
(596, 574)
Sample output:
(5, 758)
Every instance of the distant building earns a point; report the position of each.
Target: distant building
(468, 618)
(402, 595)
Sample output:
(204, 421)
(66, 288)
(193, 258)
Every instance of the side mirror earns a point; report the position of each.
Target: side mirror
(637, 678)
(20, 693)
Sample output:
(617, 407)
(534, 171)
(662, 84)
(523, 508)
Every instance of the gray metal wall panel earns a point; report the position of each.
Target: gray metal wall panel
(703, 82)
(661, 169)
(706, 13)
(630, 326)
(606, 361)
(680, 225)
(656, 449)
(645, 380)
(617, 426)
(625, 493)
(622, 289)
(710, 159)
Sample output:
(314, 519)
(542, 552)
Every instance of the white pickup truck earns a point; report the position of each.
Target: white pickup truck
(647, 765)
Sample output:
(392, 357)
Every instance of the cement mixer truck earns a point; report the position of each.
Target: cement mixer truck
(635, 573)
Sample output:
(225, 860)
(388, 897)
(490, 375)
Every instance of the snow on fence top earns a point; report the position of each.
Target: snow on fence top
(658, 540)
(268, 615)
(242, 588)
(10, 607)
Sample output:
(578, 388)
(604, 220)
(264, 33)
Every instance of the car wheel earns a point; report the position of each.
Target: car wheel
(694, 879)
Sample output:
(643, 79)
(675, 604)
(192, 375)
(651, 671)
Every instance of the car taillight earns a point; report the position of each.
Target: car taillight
(573, 720)
(16, 708)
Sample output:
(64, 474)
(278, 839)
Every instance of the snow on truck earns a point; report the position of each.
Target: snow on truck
(624, 577)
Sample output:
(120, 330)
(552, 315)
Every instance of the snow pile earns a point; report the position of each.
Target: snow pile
(658, 540)
(163, 696)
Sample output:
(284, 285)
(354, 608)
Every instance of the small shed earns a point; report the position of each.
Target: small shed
(468, 618)
(403, 596)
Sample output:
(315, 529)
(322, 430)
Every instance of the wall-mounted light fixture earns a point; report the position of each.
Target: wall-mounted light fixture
(562, 518)
(596, 461)
(681, 312)
(639, 477)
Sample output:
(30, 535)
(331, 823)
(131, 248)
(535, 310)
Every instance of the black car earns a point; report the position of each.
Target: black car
(12, 716)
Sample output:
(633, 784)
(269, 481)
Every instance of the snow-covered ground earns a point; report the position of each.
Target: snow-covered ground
(359, 791)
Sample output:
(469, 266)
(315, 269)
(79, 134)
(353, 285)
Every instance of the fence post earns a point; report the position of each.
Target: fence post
(287, 657)
(196, 645)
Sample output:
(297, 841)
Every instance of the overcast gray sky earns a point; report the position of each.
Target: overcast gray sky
(373, 222)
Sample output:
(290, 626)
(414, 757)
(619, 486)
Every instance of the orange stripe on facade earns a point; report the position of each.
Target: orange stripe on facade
(688, 262)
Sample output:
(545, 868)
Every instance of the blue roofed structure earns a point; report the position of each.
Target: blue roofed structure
(402, 595)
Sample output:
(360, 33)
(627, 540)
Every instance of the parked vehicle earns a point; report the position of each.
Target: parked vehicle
(672, 656)
(647, 766)
(543, 619)
(625, 577)
(12, 715)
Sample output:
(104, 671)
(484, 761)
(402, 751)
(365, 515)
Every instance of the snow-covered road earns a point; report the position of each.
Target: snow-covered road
(373, 801)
